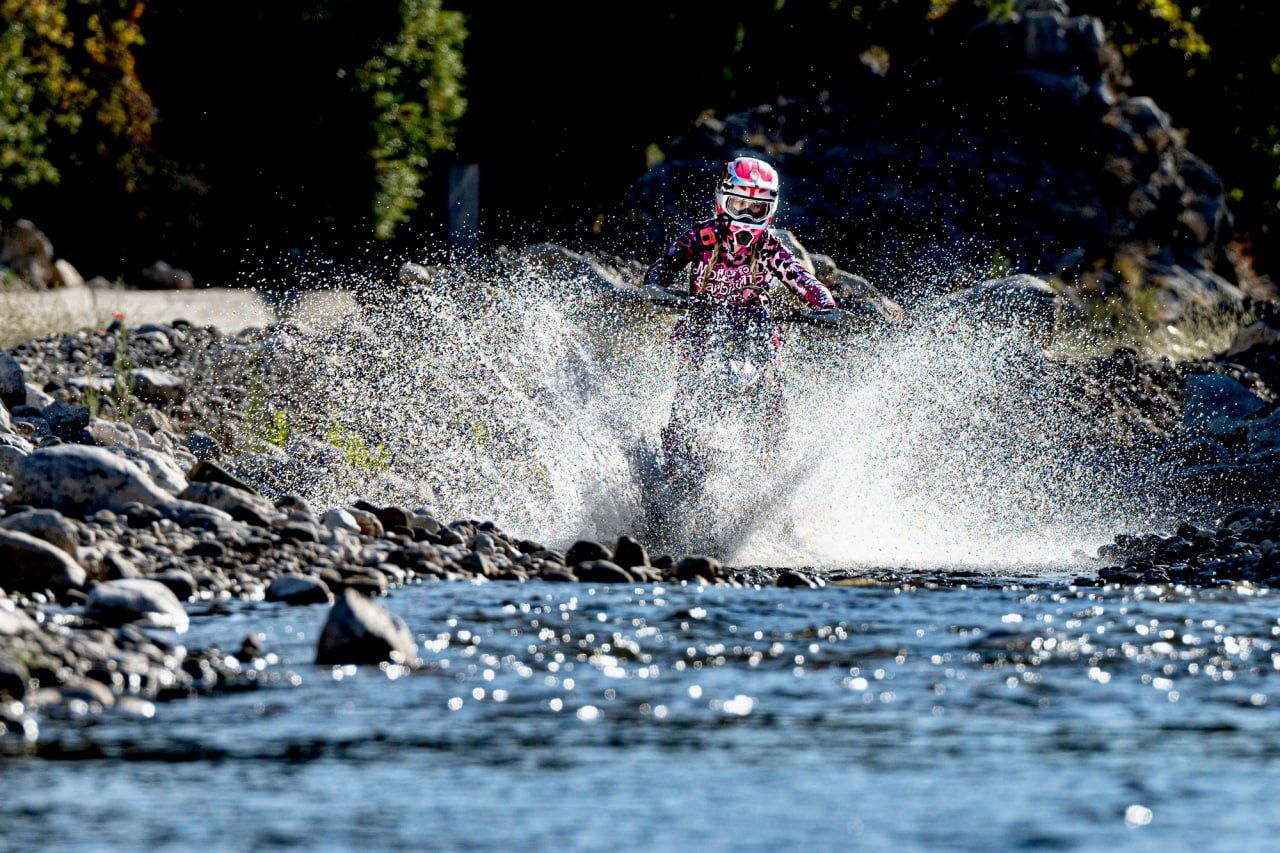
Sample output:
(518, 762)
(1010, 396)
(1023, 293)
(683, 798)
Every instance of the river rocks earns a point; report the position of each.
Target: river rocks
(15, 623)
(13, 387)
(299, 589)
(584, 550)
(1020, 301)
(628, 553)
(206, 471)
(161, 274)
(28, 564)
(798, 580)
(239, 504)
(26, 251)
(697, 567)
(1215, 403)
(340, 519)
(361, 631)
(48, 525)
(13, 679)
(202, 531)
(117, 602)
(66, 421)
(601, 571)
(77, 480)
(158, 387)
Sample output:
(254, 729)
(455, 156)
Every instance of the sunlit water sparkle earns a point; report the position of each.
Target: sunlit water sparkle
(667, 717)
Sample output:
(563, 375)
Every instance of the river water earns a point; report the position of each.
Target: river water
(1005, 713)
(1008, 711)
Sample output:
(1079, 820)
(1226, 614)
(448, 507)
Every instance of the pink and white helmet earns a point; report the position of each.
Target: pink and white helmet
(747, 198)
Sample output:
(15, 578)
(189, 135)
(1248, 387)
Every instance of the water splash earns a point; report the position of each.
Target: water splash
(526, 397)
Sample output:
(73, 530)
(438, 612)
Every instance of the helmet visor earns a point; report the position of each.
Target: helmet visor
(754, 210)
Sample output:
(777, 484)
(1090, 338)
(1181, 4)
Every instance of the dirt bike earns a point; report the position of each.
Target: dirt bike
(723, 453)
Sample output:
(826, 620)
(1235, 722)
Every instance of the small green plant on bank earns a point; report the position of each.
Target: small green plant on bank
(120, 396)
(122, 381)
(263, 427)
(1001, 266)
(358, 453)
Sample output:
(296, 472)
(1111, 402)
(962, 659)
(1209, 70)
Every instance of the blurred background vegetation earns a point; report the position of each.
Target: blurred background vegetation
(221, 136)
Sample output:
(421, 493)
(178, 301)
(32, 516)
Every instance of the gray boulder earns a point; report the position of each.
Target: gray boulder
(77, 480)
(28, 564)
(27, 251)
(120, 602)
(1017, 301)
(10, 458)
(239, 504)
(163, 470)
(48, 525)
(299, 589)
(66, 420)
(16, 623)
(158, 387)
(360, 630)
(340, 519)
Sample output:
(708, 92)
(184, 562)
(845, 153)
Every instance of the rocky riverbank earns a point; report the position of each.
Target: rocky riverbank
(140, 481)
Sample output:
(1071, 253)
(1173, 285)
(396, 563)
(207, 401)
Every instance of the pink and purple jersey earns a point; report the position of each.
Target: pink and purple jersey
(740, 278)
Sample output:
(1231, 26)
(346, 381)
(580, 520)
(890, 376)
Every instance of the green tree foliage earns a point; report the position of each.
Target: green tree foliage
(267, 110)
(69, 91)
(415, 82)
(293, 119)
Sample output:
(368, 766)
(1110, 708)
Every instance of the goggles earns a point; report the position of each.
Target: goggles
(756, 211)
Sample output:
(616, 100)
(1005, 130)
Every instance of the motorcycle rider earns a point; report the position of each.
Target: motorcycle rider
(731, 259)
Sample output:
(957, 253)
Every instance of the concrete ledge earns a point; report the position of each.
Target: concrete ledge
(25, 314)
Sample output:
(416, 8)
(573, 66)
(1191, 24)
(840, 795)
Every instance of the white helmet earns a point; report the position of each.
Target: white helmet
(747, 198)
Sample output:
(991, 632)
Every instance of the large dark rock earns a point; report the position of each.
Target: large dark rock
(28, 564)
(239, 504)
(13, 388)
(362, 631)
(584, 550)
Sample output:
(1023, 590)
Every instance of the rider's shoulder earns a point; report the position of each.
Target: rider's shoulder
(771, 242)
(703, 233)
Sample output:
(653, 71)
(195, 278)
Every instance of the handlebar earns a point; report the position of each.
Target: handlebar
(660, 297)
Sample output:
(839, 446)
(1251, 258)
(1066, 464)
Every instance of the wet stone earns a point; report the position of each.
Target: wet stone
(601, 571)
(794, 580)
(299, 589)
(627, 553)
(697, 566)
(207, 548)
(118, 602)
(206, 471)
(179, 582)
(203, 446)
(13, 679)
(584, 550)
(362, 631)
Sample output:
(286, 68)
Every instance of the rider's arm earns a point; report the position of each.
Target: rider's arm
(792, 273)
(666, 269)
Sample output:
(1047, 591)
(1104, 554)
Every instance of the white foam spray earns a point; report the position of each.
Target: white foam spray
(532, 400)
